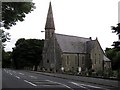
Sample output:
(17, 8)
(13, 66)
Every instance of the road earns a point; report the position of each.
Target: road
(26, 79)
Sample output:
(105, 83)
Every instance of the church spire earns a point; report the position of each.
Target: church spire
(50, 20)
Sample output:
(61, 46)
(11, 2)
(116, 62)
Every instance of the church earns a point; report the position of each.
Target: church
(71, 54)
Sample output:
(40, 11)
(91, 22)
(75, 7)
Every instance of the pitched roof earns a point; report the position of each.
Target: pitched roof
(90, 45)
(106, 59)
(72, 44)
(50, 21)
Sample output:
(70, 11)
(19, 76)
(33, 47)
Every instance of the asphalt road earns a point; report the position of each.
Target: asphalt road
(31, 80)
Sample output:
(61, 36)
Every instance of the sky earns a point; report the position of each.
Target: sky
(83, 18)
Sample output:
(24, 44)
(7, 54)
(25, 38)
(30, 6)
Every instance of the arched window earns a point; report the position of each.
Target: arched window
(95, 58)
(99, 58)
(67, 60)
(83, 60)
(47, 60)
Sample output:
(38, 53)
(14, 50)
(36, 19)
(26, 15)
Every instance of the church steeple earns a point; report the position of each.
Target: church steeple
(50, 20)
(49, 27)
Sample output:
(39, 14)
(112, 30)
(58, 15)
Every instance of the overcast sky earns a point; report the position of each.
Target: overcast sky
(84, 18)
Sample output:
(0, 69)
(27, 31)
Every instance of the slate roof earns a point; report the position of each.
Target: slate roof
(72, 44)
(106, 59)
(90, 45)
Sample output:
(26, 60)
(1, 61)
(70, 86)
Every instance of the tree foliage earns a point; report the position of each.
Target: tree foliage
(114, 55)
(27, 53)
(116, 30)
(6, 59)
(4, 36)
(13, 12)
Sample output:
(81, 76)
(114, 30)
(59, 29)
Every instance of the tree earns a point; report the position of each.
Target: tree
(112, 54)
(6, 59)
(4, 37)
(31, 53)
(116, 30)
(13, 12)
(116, 45)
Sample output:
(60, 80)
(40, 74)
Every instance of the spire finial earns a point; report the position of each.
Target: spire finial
(96, 38)
(50, 2)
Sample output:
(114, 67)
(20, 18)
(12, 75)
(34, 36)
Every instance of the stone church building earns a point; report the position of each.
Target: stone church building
(65, 53)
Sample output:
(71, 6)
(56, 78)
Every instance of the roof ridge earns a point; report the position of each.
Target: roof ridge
(71, 36)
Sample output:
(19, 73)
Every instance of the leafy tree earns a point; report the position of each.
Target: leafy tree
(13, 12)
(117, 58)
(116, 44)
(110, 54)
(4, 37)
(31, 53)
(114, 53)
(116, 30)
(6, 59)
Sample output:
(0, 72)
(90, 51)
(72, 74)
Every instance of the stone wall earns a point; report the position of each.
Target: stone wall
(52, 56)
(96, 56)
(71, 62)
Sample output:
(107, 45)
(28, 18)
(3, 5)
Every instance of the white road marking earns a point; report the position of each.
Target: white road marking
(60, 84)
(21, 73)
(90, 86)
(5, 71)
(83, 85)
(45, 85)
(30, 83)
(94, 86)
(17, 77)
(79, 85)
(33, 77)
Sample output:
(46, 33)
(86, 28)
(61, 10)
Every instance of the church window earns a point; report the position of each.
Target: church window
(52, 33)
(83, 60)
(95, 58)
(47, 61)
(99, 58)
(79, 58)
(76, 60)
(50, 69)
(67, 60)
